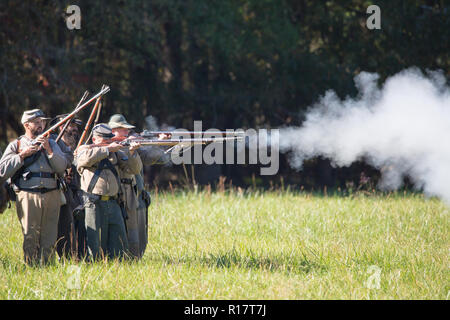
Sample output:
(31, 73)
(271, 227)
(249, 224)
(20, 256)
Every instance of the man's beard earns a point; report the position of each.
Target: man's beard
(36, 132)
(71, 139)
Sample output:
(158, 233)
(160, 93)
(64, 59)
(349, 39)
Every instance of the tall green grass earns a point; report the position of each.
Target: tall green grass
(258, 245)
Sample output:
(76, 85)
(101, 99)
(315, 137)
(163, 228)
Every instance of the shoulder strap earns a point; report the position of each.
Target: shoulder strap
(104, 164)
(28, 161)
(17, 143)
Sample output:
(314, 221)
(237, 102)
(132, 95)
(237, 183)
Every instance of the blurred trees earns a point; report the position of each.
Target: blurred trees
(232, 64)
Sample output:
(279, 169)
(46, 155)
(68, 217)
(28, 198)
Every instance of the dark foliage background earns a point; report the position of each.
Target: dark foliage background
(231, 64)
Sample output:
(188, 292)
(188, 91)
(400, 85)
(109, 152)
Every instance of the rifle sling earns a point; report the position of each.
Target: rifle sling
(28, 161)
(104, 164)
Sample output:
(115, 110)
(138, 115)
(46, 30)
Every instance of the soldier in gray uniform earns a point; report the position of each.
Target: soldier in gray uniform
(137, 199)
(32, 170)
(150, 155)
(100, 166)
(120, 128)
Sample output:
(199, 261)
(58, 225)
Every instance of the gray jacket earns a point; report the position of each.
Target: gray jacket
(11, 162)
(151, 155)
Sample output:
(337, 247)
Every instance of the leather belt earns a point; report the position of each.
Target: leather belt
(46, 175)
(37, 190)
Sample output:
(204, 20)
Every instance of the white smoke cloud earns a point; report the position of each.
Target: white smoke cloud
(152, 125)
(402, 128)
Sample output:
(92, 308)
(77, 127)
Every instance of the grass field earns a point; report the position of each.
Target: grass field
(258, 245)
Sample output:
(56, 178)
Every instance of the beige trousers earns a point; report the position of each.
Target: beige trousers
(38, 215)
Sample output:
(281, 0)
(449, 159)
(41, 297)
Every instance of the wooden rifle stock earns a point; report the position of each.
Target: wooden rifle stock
(47, 132)
(91, 118)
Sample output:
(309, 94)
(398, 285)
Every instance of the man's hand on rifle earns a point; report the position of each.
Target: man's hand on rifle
(134, 146)
(28, 151)
(164, 136)
(43, 140)
(114, 147)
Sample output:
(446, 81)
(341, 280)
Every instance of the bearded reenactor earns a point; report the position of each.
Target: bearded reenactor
(71, 231)
(121, 128)
(100, 166)
(32, 163)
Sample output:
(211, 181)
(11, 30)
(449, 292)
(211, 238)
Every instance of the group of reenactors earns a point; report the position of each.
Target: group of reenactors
(87, 202)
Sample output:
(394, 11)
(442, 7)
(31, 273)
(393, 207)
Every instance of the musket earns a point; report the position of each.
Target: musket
(91, 118)
(47, 132)
(147, 133)
(32, 158)
(68, 122)
(172, 142)
(97, 118)
(125, 142)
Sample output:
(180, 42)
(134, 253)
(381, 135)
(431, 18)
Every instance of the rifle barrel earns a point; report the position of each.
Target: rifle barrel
(177, 141)
(73, 113)
(205, 133)
(68, 122)
(167, 142)
(91, 118)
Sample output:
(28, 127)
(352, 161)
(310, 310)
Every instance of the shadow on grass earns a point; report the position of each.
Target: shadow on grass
(232, 258)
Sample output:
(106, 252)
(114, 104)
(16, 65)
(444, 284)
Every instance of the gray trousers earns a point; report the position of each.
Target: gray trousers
(66, 242)
(105, 230)
(142, 213)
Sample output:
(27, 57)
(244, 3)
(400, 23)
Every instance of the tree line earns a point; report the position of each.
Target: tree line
(231, 64)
